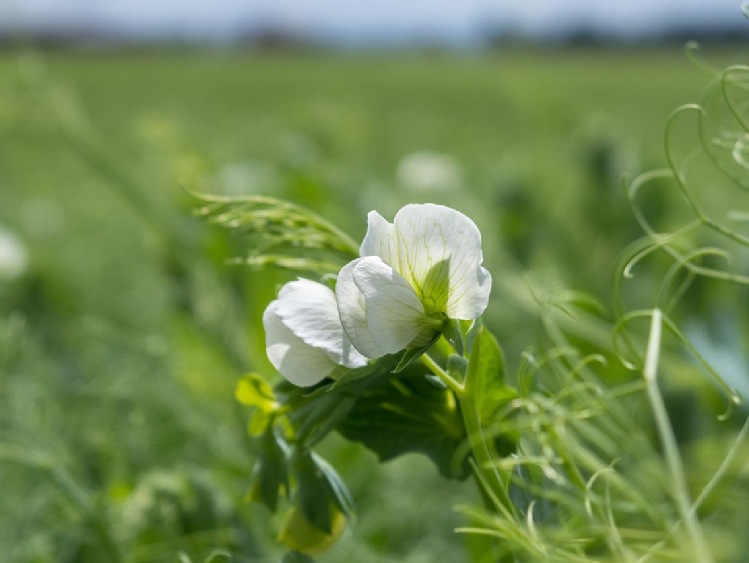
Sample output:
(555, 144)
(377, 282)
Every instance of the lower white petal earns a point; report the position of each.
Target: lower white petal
(310, 311)
(300, 363)
(353, 312)
(395, 314)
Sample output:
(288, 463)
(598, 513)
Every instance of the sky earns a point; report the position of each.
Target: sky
(367, 20)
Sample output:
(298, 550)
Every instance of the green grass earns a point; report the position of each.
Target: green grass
(121, 345)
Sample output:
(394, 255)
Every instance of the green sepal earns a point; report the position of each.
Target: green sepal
(381, 366)
(413, 354)
(453, 333)
(473, 330)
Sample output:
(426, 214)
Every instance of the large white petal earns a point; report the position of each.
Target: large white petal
(439, 254)
(353, 312)
(394, 313)
(310, 311)
(380, 240)
(298, 362)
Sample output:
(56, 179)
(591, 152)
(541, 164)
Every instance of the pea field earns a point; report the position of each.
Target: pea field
(130, 309)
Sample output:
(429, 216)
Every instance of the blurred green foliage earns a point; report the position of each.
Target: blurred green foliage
(122, 340)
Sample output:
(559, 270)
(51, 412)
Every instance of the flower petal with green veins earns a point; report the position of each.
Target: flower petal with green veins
(439, 253)
(310, 311)
(300, 363)
(395, 315)
(430, 254)
(353, 312)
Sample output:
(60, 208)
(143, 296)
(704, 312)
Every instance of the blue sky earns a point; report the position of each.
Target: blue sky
(452, 20)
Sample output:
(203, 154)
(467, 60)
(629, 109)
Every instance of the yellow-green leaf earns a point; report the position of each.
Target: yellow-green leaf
(253, 391)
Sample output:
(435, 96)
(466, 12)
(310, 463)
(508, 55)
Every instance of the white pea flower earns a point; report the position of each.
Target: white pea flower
(413, 274)
(304, 338)
(426, 170)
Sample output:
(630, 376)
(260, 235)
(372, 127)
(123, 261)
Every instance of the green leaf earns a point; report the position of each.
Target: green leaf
(486, 374)
(313, 491)
(270, 475)
(315, 413)
(252, 390)
(258, 423)
(332, 409)
(409, 414)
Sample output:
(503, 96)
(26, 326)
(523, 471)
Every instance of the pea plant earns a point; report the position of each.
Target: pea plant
(575, 453)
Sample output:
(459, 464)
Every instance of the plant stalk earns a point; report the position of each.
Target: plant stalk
(668, 440)
(488, 479)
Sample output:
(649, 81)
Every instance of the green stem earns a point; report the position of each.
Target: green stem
(489, 478)
(485, 463)
(670, 448)
(706, 492)
(445, 377)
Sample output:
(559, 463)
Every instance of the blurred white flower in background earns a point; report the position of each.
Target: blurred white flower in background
(13, 257)
(429, 171)
(304, 338)
(414, 273)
